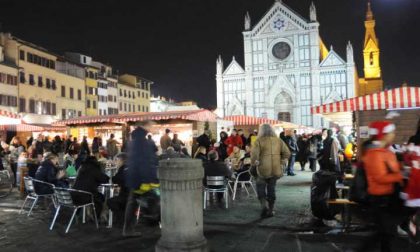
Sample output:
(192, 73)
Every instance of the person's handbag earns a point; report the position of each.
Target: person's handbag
(71, 171)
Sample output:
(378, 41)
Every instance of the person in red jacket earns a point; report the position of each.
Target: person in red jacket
(232, 141)
(383, 173)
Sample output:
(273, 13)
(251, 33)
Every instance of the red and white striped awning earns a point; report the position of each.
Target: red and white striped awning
(398, 98)
(202, 115)
(250, 120)
(21, 128)
(9, 114)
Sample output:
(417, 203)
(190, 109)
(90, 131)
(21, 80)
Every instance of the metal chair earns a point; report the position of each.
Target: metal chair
(32, 195)
(216, 184)
(64, 199)
(243, 183)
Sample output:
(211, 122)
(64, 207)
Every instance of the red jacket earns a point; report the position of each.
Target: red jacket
(233, 141)
(382, 171)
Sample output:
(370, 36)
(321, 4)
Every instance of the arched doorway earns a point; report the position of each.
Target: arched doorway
(283, 107)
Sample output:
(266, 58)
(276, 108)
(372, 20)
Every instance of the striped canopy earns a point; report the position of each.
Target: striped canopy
(398, 98)
(9, 114)
(201, 115)
(21, 128)
(250, 120)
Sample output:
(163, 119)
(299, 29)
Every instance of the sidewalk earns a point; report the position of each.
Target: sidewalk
(235, 229)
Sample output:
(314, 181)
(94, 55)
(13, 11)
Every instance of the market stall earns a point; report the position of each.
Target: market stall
(358, 112)
(250, 123)
(187, 124)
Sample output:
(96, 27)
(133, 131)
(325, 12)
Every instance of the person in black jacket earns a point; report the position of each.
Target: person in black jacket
(214, 167)
(117, 204)
(294, 149)
(48, 172)
(57, 145)
(84, 146)
(416, 138)
(89, 177)
(142, 165)
(204, 140)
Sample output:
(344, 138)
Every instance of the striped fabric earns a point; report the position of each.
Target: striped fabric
(201, 115)
(9, 114)
(398, 98)
(250, 120)
(21, 128)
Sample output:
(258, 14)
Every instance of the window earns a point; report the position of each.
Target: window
(48, 83)
(31, 79)
(138, 93)
(120, 105)
(147, 96)
(63, 91)
(142, 95)
(22, 105)
(79, 113)
(138, 108)
(125, 93)
(87, 103)
(53, 109)
(284, 116)
(53, 85)
(147, 109)
(42, 61)
(22, 77)
(39, 81)
(63, 114)
(32, 106)
(71, 93)
(125, 106)
(22, 55)
(79, 94)
(94, 104)
(120, 92)
(84, 59)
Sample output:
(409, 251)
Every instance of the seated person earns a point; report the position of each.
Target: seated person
(235, 158)
(201, 154)
(169, 153)
(89, 177)
(48, 172)
(117, 204)
(245, 164)
(215, 168)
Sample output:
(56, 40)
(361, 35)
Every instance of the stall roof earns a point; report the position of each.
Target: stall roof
(250, 120)
(21, 127)
(393, 99)
(192, 115)
(9, 114)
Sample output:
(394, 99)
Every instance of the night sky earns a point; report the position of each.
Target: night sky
(175, 42)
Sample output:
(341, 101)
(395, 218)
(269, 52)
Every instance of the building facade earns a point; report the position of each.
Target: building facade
(288, 69)
(8, 85)
(134, 93)
(372, 81)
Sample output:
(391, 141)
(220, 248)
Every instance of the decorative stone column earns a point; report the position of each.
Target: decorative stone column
(181, 182)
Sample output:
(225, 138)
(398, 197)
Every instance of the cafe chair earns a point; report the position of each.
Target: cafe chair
(32, 195)
(243, 179)
(216, 184)
(64, 199)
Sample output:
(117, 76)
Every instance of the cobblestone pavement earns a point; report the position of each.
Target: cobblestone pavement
(235, 229)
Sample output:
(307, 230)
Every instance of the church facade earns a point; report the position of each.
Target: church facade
(287, 70)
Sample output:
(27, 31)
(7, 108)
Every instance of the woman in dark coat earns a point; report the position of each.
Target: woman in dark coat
(117, 204)
(95, 145)
(313, 152)
(48, 172)
(302, 156)
(84, 146)
(89, 177)
(222, 149)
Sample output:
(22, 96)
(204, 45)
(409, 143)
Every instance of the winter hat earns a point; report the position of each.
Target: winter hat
(378, 129)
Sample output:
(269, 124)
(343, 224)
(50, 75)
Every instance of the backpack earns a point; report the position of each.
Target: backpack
(358, 190)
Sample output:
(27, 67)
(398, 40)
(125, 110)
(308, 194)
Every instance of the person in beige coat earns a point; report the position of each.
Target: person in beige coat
(269, 154)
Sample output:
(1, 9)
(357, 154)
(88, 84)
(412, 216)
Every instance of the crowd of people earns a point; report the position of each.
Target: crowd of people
(266, 155)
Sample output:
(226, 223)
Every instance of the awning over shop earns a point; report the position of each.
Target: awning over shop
(393, 99)
(398, 98)
(250, 120)
(9, 114)
(21, 128)
(192, 115)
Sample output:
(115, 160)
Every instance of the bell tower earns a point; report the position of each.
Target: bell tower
(372, 81)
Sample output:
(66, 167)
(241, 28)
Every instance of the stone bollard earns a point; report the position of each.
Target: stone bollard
(181, 182)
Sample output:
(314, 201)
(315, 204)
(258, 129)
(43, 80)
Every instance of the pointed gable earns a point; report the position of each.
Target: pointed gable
(332, 59)
(288, 18)
(234, 68)
(371, 45)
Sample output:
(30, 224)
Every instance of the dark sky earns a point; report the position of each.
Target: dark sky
(175, 42)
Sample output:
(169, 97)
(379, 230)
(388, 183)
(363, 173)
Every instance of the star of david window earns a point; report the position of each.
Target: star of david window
(278, 24)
